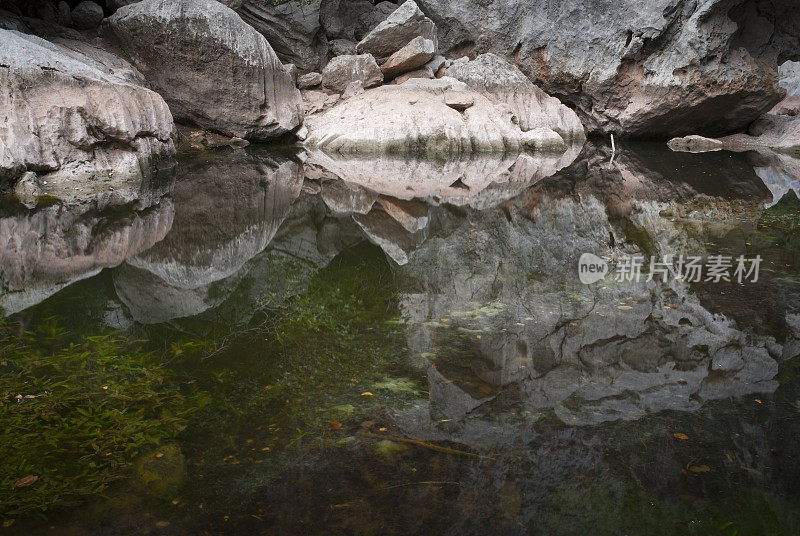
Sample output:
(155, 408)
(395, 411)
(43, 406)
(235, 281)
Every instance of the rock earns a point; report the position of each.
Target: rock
(27, 189)
(307, 81)
(415, 54)
(114, 5)
(399, 29)
(64, 14)
(435, 64)
(420, 73)
(777, 132)
(343, 70)
(161, 473)
(459, 100)
(788, 106)
(352, 19)
(503, 82)
(292, 28)
(87, 15)
(383, 121)
(789, 74)
(94, 127)
(353, 88)
(213, 69)
(342, 47)
(694, 144)
(656, 68)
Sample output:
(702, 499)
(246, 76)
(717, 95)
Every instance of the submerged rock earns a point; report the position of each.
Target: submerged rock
(75, 119)
(414, 118)
(213, 69)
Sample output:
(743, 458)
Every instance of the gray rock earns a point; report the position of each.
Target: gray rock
(213, 69)
(789, 74)
(94, 126)
(353, 88)
(399, 29)
(87, 15)
(419, 73)
(415, 54)
(342, 70)
(503, 82)
(27, 189)
(292, 28)
(413, 118)
(64, 14)
(309, 80)
(695, 144)
(459, 100)
(352, 19)
(114, 5)
(342, 47)
(654, 68)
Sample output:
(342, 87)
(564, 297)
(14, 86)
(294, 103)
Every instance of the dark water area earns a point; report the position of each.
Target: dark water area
(264, 342)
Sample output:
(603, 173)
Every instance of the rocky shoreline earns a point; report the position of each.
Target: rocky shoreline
(91, 94)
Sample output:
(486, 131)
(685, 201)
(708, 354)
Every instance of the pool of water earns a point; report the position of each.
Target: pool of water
(263, 342)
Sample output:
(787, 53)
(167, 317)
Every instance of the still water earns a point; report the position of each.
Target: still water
(262, 342)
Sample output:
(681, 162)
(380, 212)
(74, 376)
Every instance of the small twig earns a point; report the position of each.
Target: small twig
(426, 445)
(613, 148)
(415, 483)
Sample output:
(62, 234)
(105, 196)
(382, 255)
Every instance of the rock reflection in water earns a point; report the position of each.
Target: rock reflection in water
(226, 212)
(50, 246)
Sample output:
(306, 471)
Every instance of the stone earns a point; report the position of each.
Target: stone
(776, 132)
(415, 54)
(382, 121)
(502, 82)
(419, 73)
(459, 100)
(343, 70)
(788, 106)
(342, 47)
(95, 126)
(789, 74)
(654, 68)
(695, 144)
(353, 88)
(87, 15)
(213, 69)
(292, 28)
(352, 19)
(64, 16)
(27, 189)
(400, 28)
(307, 81)
(435, 64)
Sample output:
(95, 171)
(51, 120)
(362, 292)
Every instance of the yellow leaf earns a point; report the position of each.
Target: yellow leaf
(367, 394)
(624, 307)
(681, 436)
(700, 469)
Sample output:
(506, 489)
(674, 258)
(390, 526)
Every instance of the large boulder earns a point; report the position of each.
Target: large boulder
(790, 78)
(414, 118)
(503, 82)
(655, 68)
(399, 29)
(87, 15)
(352, 19)
(343, 70)
(212, 68)
(415, 54)
(292, 28)
(75, 116)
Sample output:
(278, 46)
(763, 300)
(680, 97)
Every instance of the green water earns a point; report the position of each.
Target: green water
(257, 344)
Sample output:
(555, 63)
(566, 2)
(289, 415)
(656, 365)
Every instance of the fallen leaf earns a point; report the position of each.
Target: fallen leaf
(624, 307)
(335, 425)
(367, 394)
(7, 523)
(683, 437)
(25, 481)
(700, 469)
(760, 402)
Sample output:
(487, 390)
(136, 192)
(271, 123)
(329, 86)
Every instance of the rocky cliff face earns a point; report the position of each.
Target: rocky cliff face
(653, 69)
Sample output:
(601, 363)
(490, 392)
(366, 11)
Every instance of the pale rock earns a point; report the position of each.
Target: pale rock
(342, 70)
(309, 80)
(399, 28)
(415, 54)
(695, 144)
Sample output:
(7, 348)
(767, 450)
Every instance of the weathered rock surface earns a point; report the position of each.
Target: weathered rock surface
(213, 69)
(75, 116)
(413, 118)
(342, 47)
(399, 29)
(309, 80)
(790, 78)
(659, 68)
(292, 28)
(353, 19)
(341, 71)
(502, 82)
(415, 54)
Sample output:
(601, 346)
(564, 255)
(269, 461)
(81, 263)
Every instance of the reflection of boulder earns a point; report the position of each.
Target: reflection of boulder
(493, 299)
(780, 173)
(226, 212)
(45, 249)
